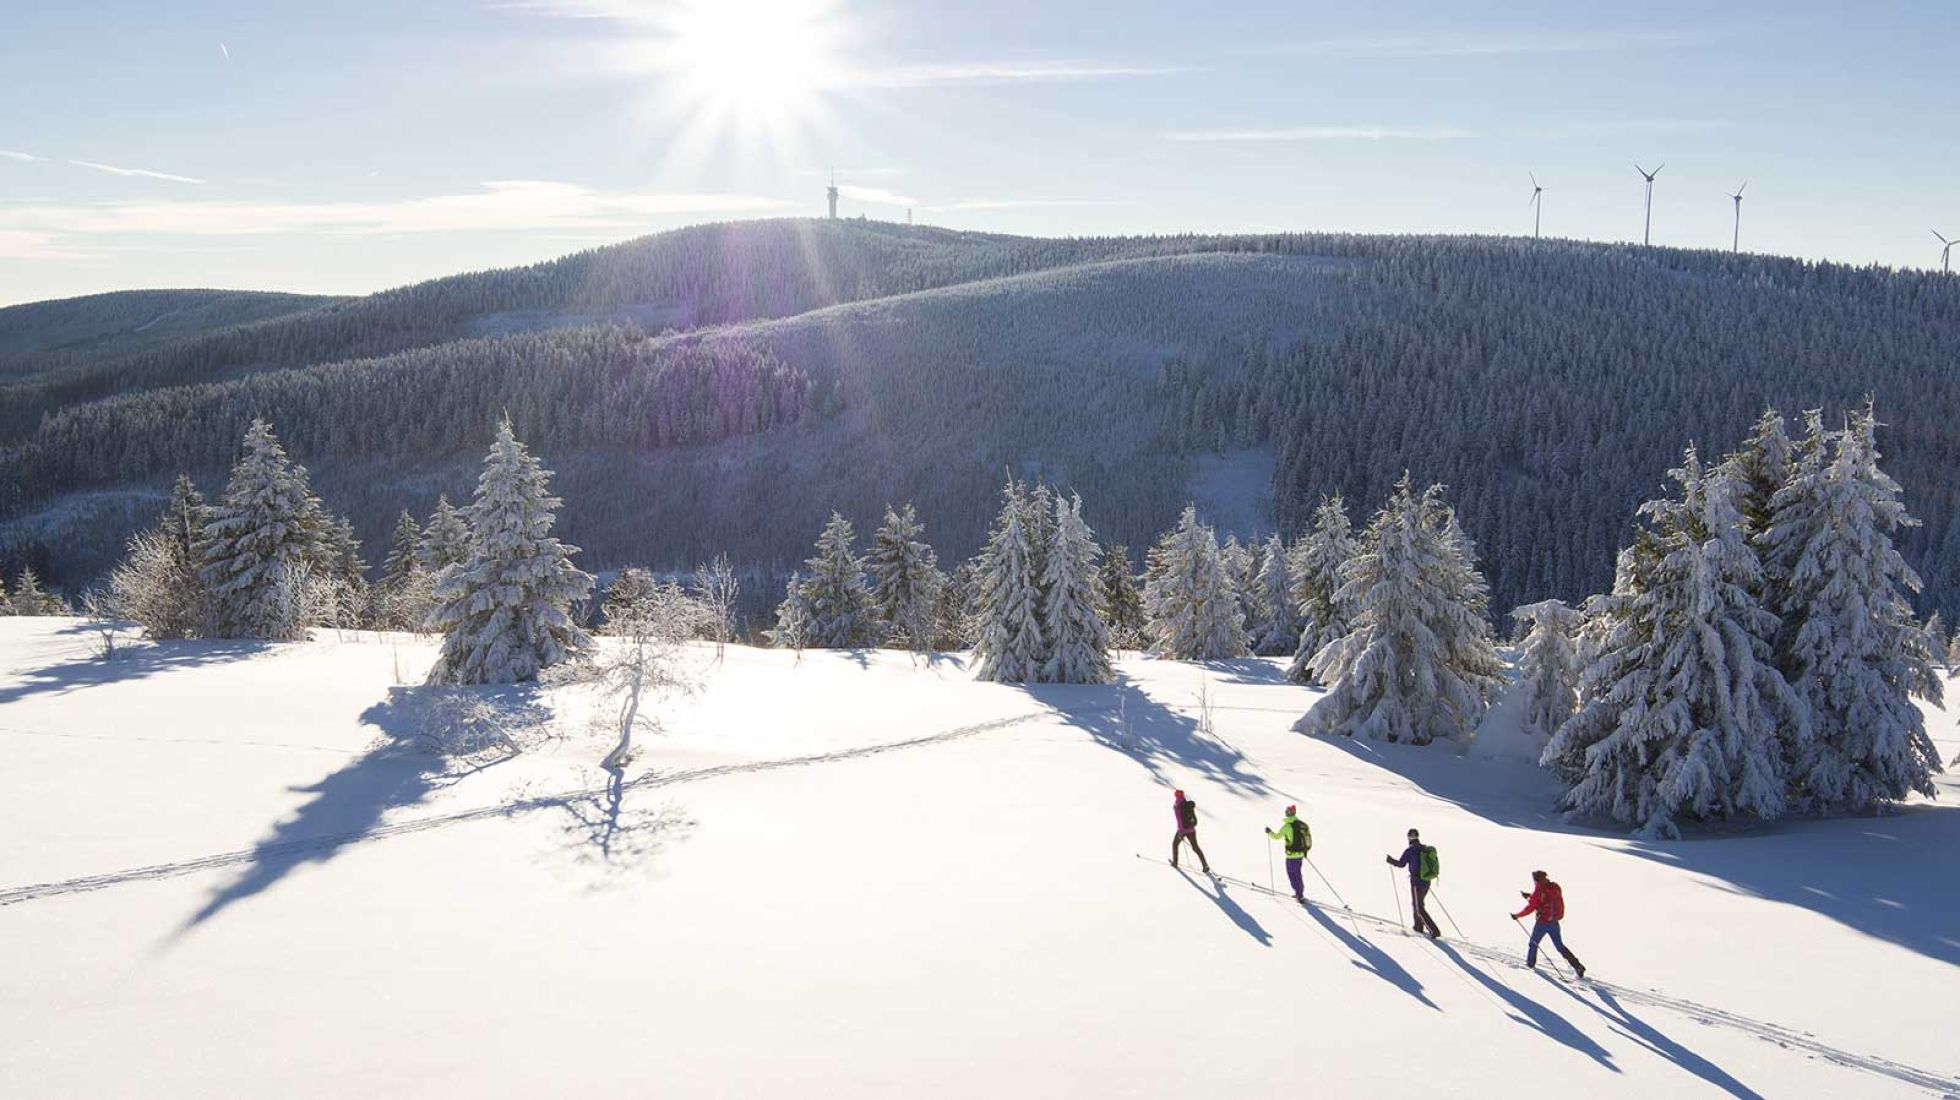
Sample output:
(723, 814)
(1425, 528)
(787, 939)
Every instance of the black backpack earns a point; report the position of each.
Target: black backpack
(1298, 838)
(1187, 814)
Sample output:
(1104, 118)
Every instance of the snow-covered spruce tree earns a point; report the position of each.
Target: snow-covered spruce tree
(445, 539)
(343, 582)
(1316, 567)
(1937, 638)
(905, 580)
(953, 617)
(6, 601)
(1122, 607)
(1853, 649)
(1242, 569)
(1078, 643)
(792, 616)
(1009, 644)
(1548, 665)
(1190, 603)
(261, 545)
(401, 550)
(1276, 623)
(1418, 663)
(32, 598)
(1953, 651)
(1680, 714)
(506, 613)
(838, 603)
(401, 601)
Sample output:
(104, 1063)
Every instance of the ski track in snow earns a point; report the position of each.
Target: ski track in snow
(87, 883)
(1712, 1017)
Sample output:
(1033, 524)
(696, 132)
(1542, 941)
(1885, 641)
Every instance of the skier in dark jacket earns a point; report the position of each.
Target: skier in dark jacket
(1548, 901)
(1187, 829)
(1411, 858)
(1299, 841)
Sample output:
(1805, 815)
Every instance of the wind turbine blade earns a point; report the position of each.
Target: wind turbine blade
(1658, 167)
(1534, 181)
(1941, 236)
(1744, 187)
(1637, 168)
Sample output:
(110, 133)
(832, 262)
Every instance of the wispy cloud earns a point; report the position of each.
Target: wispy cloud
(1326, 133)
(995, 72)
(1498, 45)
(875, 195)
(9, 154)
(1030, 204)
(223, 49)
(1574, 130)
(503, 205)
(145, 173)
(23, 244)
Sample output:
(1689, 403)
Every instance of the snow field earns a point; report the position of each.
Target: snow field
(957, 917)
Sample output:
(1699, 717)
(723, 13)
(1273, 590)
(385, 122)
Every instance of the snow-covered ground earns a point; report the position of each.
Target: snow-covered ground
(845, 875)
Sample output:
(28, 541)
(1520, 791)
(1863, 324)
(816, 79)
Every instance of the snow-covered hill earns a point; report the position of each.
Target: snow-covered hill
(224, 871)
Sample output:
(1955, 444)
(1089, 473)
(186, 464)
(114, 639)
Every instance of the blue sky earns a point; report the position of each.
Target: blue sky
(353, 146)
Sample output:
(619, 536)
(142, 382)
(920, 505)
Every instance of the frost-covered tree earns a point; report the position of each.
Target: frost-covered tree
(633, 587)
(401, 558)
(1953, 651)
(839, 605)
(1241, 566)
(184, 518)
(343, 580)
(646, 623)
(6, 601)
(1122, 607)
(402, 599)
(716, 590)
(505, 613)
(1851, 646)
(262, 543)
(1548, 665)
(1316, 567)
(905, 580)
(1009, 642)
(1937, 638)
(792, 617)
(1417, 663)
(1275, 621)
(31, 598)
(1078, 643)
(954, 617)
(1190, 602)
(1680, 714)
(445, 539)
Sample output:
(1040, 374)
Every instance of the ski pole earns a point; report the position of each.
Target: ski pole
(1438, 895)
(1527, 949)
(1337, 894)
(1396, 892)
(1270, 884)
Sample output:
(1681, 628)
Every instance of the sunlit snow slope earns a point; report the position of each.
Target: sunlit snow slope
(847, 875)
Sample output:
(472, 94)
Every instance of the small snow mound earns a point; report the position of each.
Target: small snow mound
(1502, 734)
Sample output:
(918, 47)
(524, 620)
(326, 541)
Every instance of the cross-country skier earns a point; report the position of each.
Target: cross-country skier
(1299, 841)
(1548, 901)
(1187, 829)
(1411, 858)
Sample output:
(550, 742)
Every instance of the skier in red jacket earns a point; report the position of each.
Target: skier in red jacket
(1548, 901)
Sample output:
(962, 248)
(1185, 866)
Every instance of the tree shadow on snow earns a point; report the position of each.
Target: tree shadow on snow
(600, 831)
(1247, 923)
(1650, 1037)
(1895, 877)
(1247, 670)
(132, 662)
(347, 806)
(1532, 1014)
(1149, 732)
(1513, 793)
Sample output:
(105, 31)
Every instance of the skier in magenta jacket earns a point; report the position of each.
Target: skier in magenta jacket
(1186, 812)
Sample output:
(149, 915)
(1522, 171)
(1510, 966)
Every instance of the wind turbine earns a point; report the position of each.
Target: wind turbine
(1537, 207)
(1735, 244)
(1946, 253)
(1647, 233)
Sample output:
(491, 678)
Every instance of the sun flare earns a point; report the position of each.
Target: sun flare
(748, 64)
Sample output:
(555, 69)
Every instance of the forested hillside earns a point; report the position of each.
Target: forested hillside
(820, 365)
(70, 332)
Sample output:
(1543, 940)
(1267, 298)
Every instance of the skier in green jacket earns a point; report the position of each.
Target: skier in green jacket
(1299, 841)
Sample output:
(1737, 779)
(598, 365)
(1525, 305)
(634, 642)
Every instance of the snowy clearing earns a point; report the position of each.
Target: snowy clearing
(225, 871)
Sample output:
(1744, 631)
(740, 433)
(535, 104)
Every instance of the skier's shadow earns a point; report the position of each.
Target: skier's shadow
(1532, 1014)
(1373, 959)
(1648, 1036)
(1217, 896)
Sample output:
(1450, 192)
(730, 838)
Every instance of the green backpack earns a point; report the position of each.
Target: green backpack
(1428, 867)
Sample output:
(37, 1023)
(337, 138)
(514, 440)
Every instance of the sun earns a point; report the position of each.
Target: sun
(747, 65)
